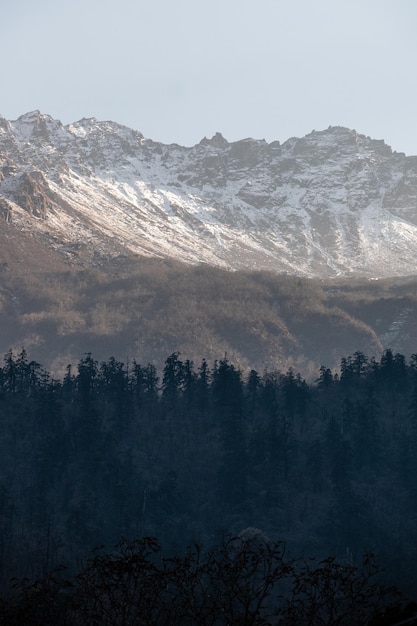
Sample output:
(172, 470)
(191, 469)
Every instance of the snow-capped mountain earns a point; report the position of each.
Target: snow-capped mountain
(332, 203)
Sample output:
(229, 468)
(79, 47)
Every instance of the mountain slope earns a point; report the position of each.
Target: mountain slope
(146, 309)
(332, 203)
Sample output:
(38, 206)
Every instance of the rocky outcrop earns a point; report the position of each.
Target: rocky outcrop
(31, 194)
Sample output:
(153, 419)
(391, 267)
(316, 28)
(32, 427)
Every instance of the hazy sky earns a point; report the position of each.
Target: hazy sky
(179, 70)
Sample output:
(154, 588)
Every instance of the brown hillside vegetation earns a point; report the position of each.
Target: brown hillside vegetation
(133, 307)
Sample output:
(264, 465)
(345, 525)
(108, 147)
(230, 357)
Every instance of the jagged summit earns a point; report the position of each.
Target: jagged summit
(334, 202)
(218, 141)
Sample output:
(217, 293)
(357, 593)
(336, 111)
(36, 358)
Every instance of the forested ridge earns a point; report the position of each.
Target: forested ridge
(196, 451)
(127, 307)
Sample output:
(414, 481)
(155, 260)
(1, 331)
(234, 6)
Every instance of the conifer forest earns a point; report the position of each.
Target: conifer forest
(202, 494)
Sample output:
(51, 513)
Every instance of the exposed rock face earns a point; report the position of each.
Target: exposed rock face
(332, 203)
(31, 194)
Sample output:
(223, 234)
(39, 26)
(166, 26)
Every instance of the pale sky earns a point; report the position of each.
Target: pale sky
(179, 70)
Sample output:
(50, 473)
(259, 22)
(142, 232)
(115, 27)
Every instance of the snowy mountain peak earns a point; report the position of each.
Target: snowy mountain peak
(334, 202)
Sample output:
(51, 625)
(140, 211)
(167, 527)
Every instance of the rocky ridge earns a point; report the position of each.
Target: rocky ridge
(333, 203)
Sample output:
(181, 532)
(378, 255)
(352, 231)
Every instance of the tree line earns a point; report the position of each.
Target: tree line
(246, 580)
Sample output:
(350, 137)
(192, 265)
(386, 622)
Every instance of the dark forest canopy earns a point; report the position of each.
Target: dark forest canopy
(195, 451)
(246, 580)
